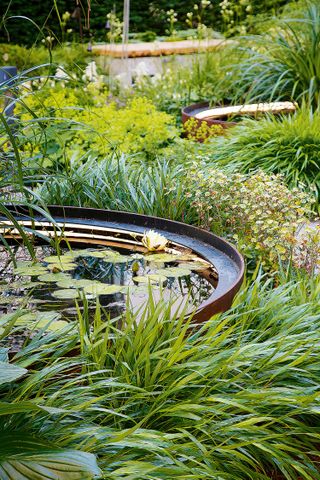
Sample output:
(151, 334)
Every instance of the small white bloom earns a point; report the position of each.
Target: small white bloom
(61, 73)
(154, 241)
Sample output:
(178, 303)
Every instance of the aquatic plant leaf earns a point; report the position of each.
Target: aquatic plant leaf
(103, 289)
(174, 272)
(54, 277)
(66, 294)
(75, 283)
(11, 299)
(38, 316)
(98, 253)
(57, 259)
(196, 266)
(62, 266)
(161, 257)
(49, 320)
(32, 271)
(152, 278)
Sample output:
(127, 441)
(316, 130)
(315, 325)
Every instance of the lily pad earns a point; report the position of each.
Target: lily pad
(102, 289)
(174, 272)
(32, 271)
(57, 259)
(152, 278)
(48, 320)
(62, 266)
(162, 257)
(54, 277)
(66, 294)
(98, 253)
(75, 283)
(196, 266)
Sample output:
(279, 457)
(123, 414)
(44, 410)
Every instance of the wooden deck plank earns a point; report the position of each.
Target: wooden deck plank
(156, 49)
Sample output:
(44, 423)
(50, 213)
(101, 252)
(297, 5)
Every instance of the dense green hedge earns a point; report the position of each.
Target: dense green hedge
(144, 15)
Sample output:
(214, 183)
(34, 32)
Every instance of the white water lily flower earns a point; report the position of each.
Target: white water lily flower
(154, 241)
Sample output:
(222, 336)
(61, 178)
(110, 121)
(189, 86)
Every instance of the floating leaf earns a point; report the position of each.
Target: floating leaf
(62, 266)
(152, 278)
(54, 277)
(66, 294)
(103, 289)
(10, 300)
(196, 266)
(174, 272)
(98, 253)
(61, 259)
(74, 283)
(32, 271)
(162, 257)
(49, 320)
(118, 259)
(38, 316)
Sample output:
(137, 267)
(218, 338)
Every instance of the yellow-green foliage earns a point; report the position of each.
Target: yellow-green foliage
(82, 121)
(201, 131)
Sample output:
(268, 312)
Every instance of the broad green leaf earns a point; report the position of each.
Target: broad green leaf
(23, 457)
(10, 373)
(66, 294)
(161, 257)
(75, 283)
(32, 271)
(196, 266)
(54, 277)
(61, 259)
(62, 266)
(4, 354)
(152, 278)
(174, 272)
(103, 289)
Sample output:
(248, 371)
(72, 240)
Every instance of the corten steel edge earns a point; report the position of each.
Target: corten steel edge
(85, 226)
(190, 111)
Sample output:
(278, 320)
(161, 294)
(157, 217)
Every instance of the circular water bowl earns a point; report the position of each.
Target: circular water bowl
(229, 116)
(86, 227)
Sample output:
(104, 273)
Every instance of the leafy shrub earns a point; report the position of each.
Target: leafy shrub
(284, 64)
(79, 121)
(258, 212)
(72, 58)
(287, 145)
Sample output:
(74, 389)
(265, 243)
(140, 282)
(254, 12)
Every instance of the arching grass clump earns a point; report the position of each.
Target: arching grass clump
(284, 63)
(237, 399)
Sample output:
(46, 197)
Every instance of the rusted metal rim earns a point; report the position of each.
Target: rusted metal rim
(191, 110)
(93, 226)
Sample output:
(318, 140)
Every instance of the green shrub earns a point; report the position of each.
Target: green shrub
(257, 211)
(72, 57)
(79, 121)
(287, 145)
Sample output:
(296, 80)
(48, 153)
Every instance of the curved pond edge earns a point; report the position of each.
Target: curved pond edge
(98, 223)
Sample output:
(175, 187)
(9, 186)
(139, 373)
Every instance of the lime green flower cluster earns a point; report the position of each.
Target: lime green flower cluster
(69, 123)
